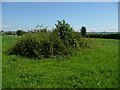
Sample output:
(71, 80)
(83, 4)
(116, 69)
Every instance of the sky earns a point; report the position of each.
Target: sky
(60, 0)
(95, 16)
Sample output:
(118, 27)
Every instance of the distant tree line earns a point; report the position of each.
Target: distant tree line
(8, 32)
(106, 36)
(18, 32)
(83, 30)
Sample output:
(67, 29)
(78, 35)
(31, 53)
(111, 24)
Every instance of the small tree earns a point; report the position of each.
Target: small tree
(20, 32)
(83, 31)
(65, 32)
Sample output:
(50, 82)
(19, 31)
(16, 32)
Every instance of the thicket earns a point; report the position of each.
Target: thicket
(62, 40)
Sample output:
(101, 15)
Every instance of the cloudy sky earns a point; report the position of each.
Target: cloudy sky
(95, 16)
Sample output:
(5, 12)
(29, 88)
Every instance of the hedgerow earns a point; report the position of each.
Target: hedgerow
(106, 36)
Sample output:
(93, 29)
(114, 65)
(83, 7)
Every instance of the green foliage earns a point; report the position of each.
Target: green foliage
(32, 45)
(8, 33)
(39, 44)
(63, 40)
(107, 36)
(20, 32)
(58, 45)
(83, 31)
(65, 32)
(41, 28)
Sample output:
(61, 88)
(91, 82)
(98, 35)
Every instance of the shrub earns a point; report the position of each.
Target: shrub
(20, 32)
(38, 45)
(66, 33)
(61, 41)
(58, 45)
(31, 45)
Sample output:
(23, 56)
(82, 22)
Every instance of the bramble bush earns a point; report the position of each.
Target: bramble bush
(31, 45)
(62, 40)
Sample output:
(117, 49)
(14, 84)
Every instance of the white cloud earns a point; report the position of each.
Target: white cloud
(5, 26)
(108, 25)
(8, 26)
(77, 28)
(13, 27)
(0, 27)
(116, 24)
(19, 29)
(94, 28)
(106, 28)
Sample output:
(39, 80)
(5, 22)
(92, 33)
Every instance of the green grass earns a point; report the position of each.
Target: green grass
(91, 68)
(0, 62)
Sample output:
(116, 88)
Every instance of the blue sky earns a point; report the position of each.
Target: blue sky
(95, 16)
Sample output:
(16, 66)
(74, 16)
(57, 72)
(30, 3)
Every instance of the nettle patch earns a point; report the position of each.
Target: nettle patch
(62, 40)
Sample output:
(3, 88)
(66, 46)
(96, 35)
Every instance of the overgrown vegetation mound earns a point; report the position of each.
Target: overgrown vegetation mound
(62, 40)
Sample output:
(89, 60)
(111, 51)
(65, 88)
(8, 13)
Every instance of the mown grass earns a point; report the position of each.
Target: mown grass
(90, 68)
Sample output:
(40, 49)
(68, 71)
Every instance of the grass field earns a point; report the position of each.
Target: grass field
(0, 62)
(91, 68)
